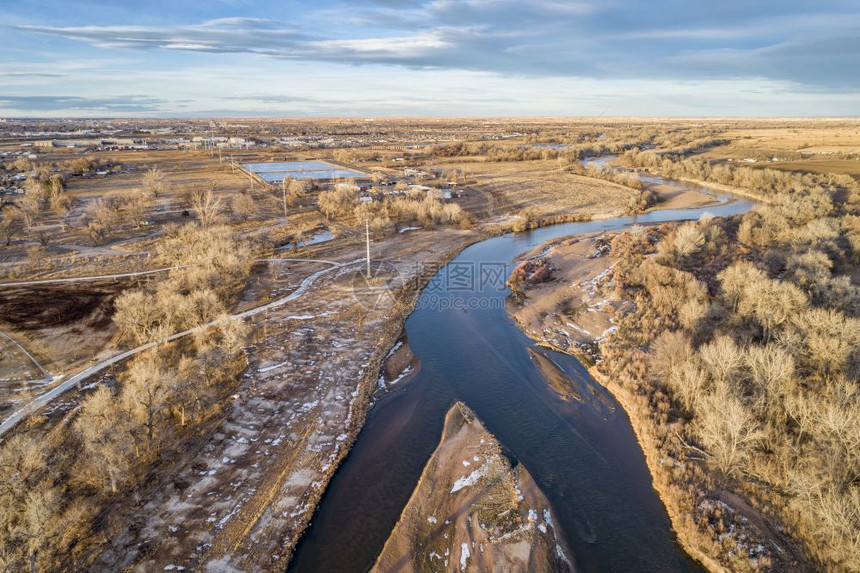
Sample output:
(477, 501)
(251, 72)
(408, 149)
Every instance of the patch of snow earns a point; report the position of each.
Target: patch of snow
(464, 555)
(470, 479)
(403, 375)
(561, 554)
(272, 367)
(394, 349)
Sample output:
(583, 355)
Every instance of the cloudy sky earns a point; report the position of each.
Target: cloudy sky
(430, 57)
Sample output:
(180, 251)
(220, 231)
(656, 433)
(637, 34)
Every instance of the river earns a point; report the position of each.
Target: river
(584, 456)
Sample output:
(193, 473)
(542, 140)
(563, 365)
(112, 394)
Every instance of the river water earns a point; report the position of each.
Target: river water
(583, 455)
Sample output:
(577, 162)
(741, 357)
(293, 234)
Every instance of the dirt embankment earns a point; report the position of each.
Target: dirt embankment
(568, 312)
(473, 510)
(399, 364)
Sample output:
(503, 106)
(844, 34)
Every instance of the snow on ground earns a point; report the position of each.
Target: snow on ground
(381, 382)
(272, 367)
(287, 414)
(394, 349)
(472, 478)
(464, 555)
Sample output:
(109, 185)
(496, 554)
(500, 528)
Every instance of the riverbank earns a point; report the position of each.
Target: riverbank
(752, 538)
(569, 315)
(567, 312)
(242, 495)
(642, 424)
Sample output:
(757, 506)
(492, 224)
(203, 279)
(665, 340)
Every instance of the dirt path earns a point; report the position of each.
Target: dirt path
(83, 249)
(143, 273)
(46, 376)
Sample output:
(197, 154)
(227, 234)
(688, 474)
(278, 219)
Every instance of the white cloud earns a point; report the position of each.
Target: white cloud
(473, 57)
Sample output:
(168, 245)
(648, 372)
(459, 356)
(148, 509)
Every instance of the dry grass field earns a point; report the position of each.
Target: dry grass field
(806, 146)
(543, 189)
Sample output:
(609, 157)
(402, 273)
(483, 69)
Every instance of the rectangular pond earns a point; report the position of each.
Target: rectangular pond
(275, 171)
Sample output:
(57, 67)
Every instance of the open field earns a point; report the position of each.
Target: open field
(829, 147)
(543, 189)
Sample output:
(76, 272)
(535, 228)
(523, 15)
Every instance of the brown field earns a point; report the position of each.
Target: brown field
(814, 147)
(543, 188)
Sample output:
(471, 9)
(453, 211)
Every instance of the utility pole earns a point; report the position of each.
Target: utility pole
(284, 189)
(367, 233)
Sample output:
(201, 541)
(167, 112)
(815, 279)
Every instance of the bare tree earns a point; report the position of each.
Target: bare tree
(722, 357)
(10, 224)
(30, 205)
(233, 333)
(138, 207)
(771, 369)
(688, 241)
(61, 204)
(137, 315)
(108, 445)
(43, 234)
(155, 182)
(147, 392)
(727, 429)
(207, 207)
(337, 202)
(772, 303)
(688, 382)
(243, 206)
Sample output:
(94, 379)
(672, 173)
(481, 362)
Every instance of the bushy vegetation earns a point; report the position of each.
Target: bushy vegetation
(384, 212)
(208, 268)
(762, 183)
(743, 355)
(57, 488)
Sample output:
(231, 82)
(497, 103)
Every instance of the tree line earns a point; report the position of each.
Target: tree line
(744, 353)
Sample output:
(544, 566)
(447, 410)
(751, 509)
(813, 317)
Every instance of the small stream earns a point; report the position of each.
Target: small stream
(583, 455)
